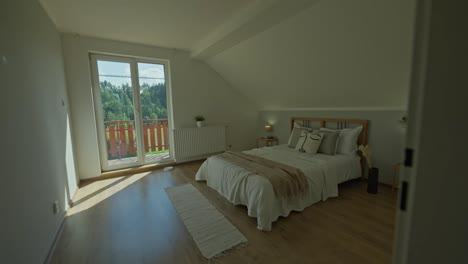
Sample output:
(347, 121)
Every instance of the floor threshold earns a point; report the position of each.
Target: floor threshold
(128, 171)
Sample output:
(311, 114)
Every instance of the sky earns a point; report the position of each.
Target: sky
(148, 72)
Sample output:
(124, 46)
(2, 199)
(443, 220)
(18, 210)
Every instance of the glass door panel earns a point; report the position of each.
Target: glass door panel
(153, 99)
(119, 140)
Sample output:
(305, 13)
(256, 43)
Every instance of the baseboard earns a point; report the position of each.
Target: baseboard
(125, 172)
(195, 158)
(56, 237)
(352, 108)
(381, 183)
(130, 171)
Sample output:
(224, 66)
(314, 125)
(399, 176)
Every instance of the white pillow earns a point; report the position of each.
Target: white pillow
(309, 142)
(347, 141)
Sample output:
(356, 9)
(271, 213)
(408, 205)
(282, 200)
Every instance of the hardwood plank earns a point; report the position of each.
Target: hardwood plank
(133, 221)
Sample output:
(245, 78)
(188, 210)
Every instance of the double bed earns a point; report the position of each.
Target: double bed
(323, 173)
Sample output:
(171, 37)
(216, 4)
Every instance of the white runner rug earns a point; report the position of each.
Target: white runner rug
(211, 231)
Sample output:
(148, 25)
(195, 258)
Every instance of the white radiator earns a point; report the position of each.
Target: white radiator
(192, 143)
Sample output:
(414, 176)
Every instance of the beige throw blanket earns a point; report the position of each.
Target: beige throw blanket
(287, 181)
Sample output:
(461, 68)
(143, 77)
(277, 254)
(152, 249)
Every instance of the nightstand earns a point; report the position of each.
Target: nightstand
(268, 142)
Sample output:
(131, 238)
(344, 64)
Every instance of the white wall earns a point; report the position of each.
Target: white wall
(337, 53)
(37, 159)
(196, 89)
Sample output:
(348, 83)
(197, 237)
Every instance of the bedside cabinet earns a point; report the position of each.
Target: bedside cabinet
(267, 142)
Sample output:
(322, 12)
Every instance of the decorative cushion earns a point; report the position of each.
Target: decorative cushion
(329, 142)
(347, 141)
(309, 142)
(295, 134)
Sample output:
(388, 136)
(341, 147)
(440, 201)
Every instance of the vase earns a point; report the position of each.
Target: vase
(199, 123)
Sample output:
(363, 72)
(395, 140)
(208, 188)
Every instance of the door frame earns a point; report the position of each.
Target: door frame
(413, 132)
(138, 119)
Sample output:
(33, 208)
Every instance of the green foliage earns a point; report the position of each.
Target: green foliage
(117, 101)
(199, 118)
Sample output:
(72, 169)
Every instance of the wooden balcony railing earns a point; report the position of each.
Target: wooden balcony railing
(121, 137)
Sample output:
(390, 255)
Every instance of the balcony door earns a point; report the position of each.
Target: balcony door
(132, 111)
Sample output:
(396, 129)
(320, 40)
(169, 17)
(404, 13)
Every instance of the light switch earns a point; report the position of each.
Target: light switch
(4, 60)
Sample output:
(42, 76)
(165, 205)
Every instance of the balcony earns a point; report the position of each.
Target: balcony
(122, 143)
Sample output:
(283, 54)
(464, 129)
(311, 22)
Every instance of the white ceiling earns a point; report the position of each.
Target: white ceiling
(336, 53)
(277, 53)
(164, 23)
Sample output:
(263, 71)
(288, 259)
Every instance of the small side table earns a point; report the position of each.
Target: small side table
(268, 142)
(396, 172)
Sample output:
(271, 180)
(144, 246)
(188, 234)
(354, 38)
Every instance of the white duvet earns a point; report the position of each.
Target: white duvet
(241, 186)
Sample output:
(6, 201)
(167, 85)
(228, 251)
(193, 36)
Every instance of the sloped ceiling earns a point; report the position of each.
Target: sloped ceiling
(336, 53)
(164, 23)
(278, 53)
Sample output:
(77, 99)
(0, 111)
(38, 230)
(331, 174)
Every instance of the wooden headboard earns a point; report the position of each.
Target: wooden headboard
(334, 123)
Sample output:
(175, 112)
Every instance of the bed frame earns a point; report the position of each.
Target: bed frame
(338, 124)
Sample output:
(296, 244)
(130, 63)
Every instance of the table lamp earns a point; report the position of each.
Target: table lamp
(268, 129)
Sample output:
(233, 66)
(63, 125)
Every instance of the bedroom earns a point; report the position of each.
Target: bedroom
(85, 191)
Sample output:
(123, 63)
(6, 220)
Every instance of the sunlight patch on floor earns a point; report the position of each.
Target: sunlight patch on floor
(96, 192)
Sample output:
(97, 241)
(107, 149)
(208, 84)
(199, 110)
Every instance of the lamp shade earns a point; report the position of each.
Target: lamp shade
(268, 128)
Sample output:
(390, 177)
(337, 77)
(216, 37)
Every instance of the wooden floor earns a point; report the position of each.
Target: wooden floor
(131, 220)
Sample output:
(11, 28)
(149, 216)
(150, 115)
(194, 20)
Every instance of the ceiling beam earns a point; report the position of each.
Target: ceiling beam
(250, 21)
(49, 12)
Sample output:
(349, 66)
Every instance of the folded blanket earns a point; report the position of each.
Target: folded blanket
(287, 181)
